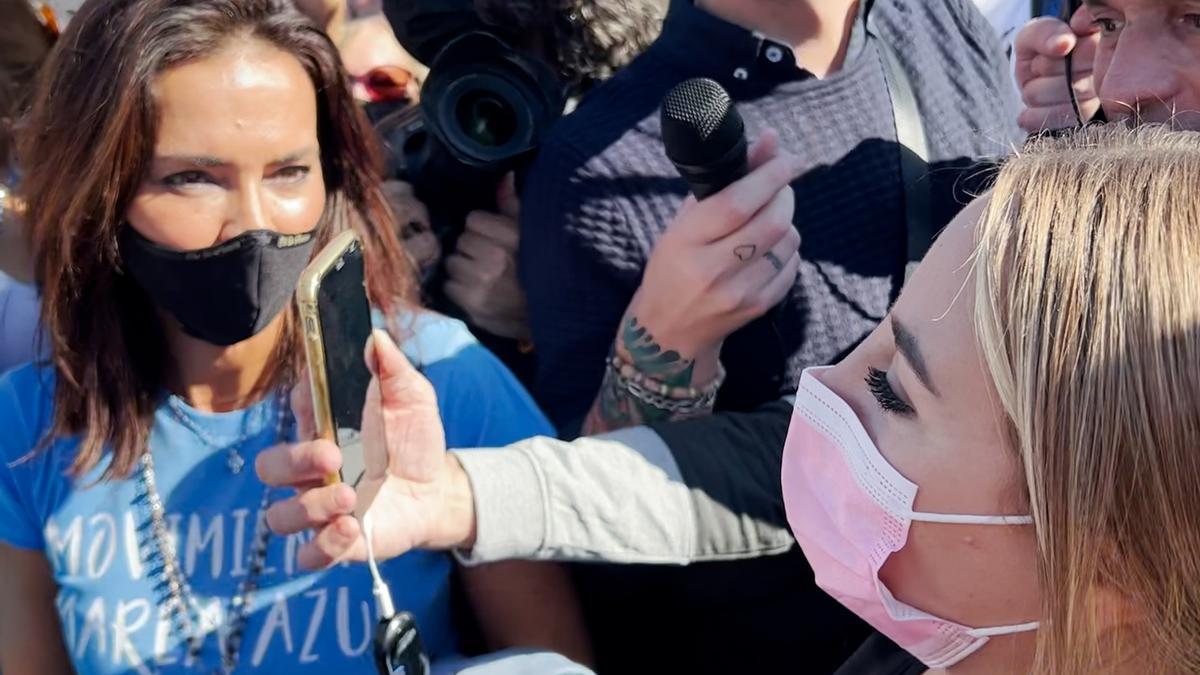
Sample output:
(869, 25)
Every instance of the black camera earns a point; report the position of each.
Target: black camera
(484, 109)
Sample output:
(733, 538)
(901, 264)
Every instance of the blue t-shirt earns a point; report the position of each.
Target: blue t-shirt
(19, 339)
(300, 622)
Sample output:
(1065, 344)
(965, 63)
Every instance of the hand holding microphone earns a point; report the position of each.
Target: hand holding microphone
(730, 257)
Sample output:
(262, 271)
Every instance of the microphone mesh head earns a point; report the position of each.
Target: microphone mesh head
(699, 122)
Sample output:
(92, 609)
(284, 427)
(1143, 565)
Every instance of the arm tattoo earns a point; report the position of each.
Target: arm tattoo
(648, 357)
(615, 408)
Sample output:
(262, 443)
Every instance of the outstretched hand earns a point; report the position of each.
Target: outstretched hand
(417, 494)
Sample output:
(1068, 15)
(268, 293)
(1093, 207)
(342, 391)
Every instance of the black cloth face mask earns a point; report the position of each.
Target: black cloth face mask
(224, 294)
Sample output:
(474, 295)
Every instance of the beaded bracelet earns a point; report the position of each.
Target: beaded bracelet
(665, 397)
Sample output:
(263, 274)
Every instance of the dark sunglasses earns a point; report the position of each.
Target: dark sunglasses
(386, 83)
(47, 18)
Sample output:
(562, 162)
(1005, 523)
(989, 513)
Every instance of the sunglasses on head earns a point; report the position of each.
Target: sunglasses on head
(47, 18)
(386, 83)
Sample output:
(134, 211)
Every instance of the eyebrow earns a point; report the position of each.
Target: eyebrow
(906, 344)
(214, 162)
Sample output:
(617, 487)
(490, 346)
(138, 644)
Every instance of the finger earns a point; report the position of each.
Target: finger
(505, 328)
(759, 274)
(391, 366)
(311, 509)
(405, 205)
(302, 408)
(1083, 23)
(462, 270)
(775, 286)
(1044, 36)
(482, 313)
(770, 226)
(508, 202)
(734, 207)
(780, 286)
(369, 355)
(460, 294)
(480, 249)
(402, 412)
(1083, 56)
(1035, 120)
(397, 188)
(297, 463)
(500, 229)
(1043, 66)
(788, 246)
(1051, 91)
(339, 541)
(764, 149)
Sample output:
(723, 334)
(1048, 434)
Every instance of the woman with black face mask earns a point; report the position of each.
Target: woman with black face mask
(185, 160)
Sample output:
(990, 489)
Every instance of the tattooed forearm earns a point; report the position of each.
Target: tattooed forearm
(649, 358)
(615, 407)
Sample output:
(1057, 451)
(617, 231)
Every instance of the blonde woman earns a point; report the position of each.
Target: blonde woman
(1004, 478)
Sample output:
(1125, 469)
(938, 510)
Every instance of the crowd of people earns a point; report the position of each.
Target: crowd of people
(914, 395)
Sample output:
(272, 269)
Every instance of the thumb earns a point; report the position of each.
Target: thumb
(508, 202)
(764, 149)
(1083, 23)
(400, 416)
(1060, 43)
(390, 367)
(1043, 36)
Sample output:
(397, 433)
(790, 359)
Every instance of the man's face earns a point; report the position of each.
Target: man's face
(1148, 61)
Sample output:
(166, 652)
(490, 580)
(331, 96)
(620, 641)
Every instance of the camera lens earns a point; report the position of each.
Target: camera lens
(486, 119)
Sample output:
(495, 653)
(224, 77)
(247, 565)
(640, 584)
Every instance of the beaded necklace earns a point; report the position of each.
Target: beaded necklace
(173, 590)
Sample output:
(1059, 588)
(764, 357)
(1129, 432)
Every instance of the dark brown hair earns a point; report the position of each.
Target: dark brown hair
(90, 137)
(586, 41)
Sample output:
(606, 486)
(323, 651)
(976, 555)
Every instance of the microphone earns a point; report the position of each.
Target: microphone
(704, 136)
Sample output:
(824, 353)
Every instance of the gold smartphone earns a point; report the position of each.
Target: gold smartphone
(336, 316)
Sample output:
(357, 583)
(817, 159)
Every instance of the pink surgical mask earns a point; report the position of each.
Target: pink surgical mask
(850, 510)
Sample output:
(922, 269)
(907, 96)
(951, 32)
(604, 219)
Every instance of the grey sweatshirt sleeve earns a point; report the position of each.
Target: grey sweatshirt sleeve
(695, 491)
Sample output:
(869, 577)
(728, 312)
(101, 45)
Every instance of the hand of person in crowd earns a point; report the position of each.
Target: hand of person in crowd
(417, 493)
(721, 264)
(416, 229)
(482, 271)
(1041, 50)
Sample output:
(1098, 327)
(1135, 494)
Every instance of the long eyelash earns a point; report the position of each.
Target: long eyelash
(881, 389)
(177, 179)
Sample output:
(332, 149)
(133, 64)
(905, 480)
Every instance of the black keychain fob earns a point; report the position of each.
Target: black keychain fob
(398, 648)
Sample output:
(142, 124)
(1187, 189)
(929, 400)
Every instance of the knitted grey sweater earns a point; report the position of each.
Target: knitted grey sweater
(602, 189)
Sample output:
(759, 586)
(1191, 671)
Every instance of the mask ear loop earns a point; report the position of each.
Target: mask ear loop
(382, 595)
(1069, 8)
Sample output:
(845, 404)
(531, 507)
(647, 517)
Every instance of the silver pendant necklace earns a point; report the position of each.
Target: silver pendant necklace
(233, 457)
(173, 590)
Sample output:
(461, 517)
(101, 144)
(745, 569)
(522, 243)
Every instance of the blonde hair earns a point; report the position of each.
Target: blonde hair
(1088, 316)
